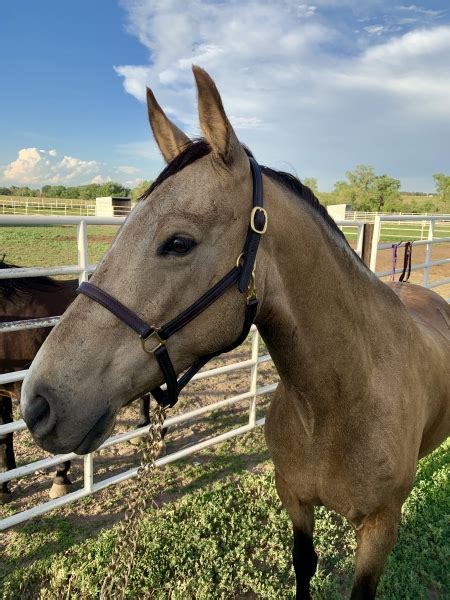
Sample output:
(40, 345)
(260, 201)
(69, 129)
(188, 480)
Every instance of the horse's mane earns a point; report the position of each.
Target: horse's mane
(199, 148)
(24, 285)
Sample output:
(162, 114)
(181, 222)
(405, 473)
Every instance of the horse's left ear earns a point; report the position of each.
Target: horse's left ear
(214, 122)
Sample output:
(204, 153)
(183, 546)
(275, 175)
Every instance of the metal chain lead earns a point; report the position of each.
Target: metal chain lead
(116, 580)
(115, 583)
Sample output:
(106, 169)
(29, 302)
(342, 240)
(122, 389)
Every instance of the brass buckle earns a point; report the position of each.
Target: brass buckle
(251, 290)
(153, 337)
(252, 220)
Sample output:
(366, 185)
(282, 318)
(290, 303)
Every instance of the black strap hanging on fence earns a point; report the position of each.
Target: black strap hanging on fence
(394, 258)
(404, 277)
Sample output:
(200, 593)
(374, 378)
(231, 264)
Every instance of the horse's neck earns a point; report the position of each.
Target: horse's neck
(323, 315)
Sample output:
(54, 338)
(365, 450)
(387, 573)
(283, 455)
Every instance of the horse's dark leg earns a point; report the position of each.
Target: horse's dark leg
(304, 557)
(61, 483)
(144, 411)
(376, 538)
(7, 459)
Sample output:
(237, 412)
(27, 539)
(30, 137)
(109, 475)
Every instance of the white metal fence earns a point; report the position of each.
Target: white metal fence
(438, 235)
(35, 206)
(82, 269)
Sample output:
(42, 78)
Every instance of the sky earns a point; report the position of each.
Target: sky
(314, 89)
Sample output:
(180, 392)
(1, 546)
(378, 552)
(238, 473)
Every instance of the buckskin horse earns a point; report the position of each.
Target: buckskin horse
(364, 379)
(31, 298)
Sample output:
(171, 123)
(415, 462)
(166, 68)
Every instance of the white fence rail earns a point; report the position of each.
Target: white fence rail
(41, 207)
(438, 233)
(83, 269)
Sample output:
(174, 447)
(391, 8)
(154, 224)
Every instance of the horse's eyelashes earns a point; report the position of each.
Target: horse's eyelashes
(178, 245)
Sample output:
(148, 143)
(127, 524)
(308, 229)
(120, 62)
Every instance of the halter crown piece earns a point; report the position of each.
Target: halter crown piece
(154, 339)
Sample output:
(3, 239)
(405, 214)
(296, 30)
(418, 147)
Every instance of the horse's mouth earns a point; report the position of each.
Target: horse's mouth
(95, 436)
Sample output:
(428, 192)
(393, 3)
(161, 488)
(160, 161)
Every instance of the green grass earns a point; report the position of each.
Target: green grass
(52, 246)
(231, 539)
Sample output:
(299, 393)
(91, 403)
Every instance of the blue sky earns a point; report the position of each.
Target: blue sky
(314, 88)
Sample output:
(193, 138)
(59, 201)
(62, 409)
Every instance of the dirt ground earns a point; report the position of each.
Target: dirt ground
(439, 252)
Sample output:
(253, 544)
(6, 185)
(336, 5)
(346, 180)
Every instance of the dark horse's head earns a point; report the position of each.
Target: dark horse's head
(178, 242)
(23, 286)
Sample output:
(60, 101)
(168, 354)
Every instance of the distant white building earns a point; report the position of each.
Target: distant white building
(112, 206)
(338, 211)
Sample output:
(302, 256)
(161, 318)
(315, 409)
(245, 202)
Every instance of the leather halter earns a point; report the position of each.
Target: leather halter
(154, 338)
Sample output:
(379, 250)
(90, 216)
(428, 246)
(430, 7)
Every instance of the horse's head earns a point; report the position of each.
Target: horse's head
(175, 245)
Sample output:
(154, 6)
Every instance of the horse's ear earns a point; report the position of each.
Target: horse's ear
(171, 140)
(214, 122)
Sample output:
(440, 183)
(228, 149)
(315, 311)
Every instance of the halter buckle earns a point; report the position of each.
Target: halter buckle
(251, 291)
(252, 220)
(155, 338)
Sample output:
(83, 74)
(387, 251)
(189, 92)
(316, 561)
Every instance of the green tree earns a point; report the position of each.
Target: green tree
(442, 183)
(365, 190)
(140, 189)
(311, 182)
(384, 191)
(4, 191)
(23, 191)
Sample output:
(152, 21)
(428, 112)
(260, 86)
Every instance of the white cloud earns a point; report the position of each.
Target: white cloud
(413, 8)
(297, 86)
(374, 29)
(100, 179)
(127, 169)
(37, 167)
(306, 10)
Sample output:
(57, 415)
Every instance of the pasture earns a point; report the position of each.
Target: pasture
(218, 530)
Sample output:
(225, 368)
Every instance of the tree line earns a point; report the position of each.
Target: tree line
(89, 191)
(362, 188)
(367, 191)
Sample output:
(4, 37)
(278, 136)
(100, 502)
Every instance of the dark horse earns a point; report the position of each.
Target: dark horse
(32, 298)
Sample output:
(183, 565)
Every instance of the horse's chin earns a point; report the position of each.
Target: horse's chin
(96, 435)
(57, 443)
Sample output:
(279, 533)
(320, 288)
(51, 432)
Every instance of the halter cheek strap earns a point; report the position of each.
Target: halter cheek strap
(154, 339)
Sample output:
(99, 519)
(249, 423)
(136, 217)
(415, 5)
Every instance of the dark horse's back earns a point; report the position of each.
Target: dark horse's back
(28, 298)
(432, 315)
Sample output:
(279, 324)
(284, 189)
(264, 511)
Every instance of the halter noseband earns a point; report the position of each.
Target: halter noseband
(154, 338)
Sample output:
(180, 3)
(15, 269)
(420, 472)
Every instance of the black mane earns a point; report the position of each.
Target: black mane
(24, 285)
(199, 148)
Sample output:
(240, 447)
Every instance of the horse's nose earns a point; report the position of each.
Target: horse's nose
(38, 415)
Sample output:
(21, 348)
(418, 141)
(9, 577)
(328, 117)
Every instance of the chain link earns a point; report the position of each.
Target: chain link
(116, 580)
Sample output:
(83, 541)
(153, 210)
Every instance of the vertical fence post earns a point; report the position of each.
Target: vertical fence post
(426, 271)
(82, 243)
(88, 469)
(253, 378)
(82, 250)
(365, 239)
(375, 239)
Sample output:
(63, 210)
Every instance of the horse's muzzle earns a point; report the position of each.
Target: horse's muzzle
(40, 412)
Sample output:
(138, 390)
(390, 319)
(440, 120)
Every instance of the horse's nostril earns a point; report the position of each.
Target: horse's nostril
(39, 416)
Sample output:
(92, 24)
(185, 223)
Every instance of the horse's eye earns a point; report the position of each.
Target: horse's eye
(177, 245)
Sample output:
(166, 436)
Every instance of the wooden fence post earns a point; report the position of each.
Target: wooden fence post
(367, 242)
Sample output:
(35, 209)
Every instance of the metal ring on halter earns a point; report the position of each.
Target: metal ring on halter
(251, 290)
(255, 210)
(154, 337)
